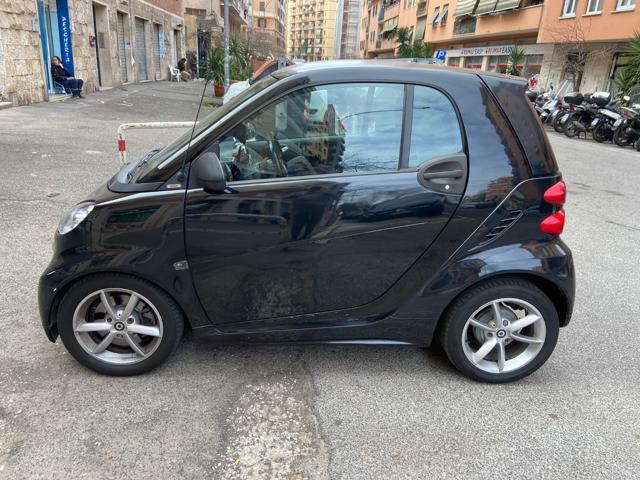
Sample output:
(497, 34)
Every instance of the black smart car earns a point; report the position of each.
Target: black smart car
(343, 202)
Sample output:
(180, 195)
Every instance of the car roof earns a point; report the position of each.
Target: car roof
(386, 65)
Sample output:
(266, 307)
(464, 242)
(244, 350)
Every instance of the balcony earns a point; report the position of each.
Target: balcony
(381, 15)
(422, 9)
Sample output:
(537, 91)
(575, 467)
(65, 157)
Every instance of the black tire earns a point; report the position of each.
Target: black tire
(453, 324)
(170, 313)
(569, 128)
(621, 138)
(599, 133)
(638, 145)
(557, 126)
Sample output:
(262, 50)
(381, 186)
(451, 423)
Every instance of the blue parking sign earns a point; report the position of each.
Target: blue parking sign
(440, 54)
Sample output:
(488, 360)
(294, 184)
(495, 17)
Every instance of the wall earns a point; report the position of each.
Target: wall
(593, 28)
(21, 77)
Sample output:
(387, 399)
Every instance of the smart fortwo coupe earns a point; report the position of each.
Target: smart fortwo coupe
(344, 202)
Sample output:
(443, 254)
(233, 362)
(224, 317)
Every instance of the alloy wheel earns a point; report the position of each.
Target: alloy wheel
(117, 326)
(503, 335)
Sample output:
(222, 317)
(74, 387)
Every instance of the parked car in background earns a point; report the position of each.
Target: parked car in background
(411, 206)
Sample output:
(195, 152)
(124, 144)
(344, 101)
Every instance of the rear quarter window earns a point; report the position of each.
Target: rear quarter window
(435, 130)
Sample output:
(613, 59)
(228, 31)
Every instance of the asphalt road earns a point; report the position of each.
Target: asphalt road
(316, 412)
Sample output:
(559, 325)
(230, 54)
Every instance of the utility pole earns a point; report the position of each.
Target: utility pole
(226, 45)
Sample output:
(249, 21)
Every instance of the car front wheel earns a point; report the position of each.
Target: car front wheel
(119, 325)
(500, 331)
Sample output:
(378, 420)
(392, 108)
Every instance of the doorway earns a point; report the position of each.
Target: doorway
(122, 46)
(141, 50)
(102, 44)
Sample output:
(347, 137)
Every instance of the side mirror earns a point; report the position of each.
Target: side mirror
(208, 173)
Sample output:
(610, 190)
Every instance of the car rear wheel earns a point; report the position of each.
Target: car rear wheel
(500, 331)
(119, 325)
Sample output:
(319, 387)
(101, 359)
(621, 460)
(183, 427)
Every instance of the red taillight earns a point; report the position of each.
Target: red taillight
(556, 194)
(559, 107)
(553, 224)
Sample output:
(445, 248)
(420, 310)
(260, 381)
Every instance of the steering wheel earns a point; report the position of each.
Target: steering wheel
(275, 150)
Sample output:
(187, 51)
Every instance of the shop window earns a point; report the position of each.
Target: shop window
(626, 4)
(454, 62)
(569, 8)
(497, 64)
(473, 62)
(594, 6)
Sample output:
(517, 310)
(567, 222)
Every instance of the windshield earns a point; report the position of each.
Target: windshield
(160, 166)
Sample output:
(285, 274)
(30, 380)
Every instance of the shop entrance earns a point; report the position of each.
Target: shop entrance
(55, 39)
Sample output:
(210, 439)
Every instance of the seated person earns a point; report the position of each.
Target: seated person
(62, 76)
(183, 68)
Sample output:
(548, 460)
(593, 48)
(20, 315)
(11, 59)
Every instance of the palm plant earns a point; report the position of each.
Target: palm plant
(515, 57)
(625, 79)
(213, 65)
(403, 37)
(421, 50)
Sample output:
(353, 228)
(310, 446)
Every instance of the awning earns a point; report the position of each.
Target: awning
(507, 5)
(465, 7)
(486, 6)
(390, 24)
(420, 27)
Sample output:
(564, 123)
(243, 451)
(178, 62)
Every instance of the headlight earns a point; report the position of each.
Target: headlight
(75, 217)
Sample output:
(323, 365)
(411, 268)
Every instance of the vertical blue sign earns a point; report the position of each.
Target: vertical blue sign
(440, 54)
(65, 34)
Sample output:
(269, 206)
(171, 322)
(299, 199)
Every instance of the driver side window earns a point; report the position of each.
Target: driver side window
(341, 128)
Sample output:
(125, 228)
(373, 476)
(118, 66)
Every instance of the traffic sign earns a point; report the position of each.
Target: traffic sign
(440, 54)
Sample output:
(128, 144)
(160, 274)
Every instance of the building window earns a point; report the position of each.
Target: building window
(262, 6)
(262, 22)
(569, 8)
(626, 4)
(445, 14)
(434, 18)
(594, 6)
(464, 25)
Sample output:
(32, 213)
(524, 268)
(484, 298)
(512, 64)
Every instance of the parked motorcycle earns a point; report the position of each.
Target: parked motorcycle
(628, 127)
(602, 126)
(585, 112)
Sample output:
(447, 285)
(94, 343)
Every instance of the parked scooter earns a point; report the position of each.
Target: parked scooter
(582, 119)
(602, 126)
(628, 127)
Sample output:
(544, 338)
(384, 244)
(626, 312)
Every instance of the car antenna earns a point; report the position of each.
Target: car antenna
(181, 176)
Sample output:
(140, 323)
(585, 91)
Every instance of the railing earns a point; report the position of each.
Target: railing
(422, 8)
(464, 25)
(122, 141)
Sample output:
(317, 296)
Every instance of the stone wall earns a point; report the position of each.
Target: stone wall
(21, 76)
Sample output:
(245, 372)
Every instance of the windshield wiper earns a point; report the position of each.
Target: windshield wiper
(141, 163)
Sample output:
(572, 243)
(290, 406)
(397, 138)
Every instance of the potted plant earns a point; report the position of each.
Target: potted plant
(214, 69)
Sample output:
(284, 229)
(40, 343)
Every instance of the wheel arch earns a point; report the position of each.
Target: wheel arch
(52, 332)
(559, 299)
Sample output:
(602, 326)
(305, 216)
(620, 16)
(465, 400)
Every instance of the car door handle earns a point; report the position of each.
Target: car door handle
(453, 174)
(445, 173)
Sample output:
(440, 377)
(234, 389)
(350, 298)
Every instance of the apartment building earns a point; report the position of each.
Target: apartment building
(379, 19)
(559, 37)
(204, 20)
(347, 28)
(270, 22)
(106, 43)
(311, 31)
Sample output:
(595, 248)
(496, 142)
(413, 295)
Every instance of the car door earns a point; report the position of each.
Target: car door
(325, 209)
